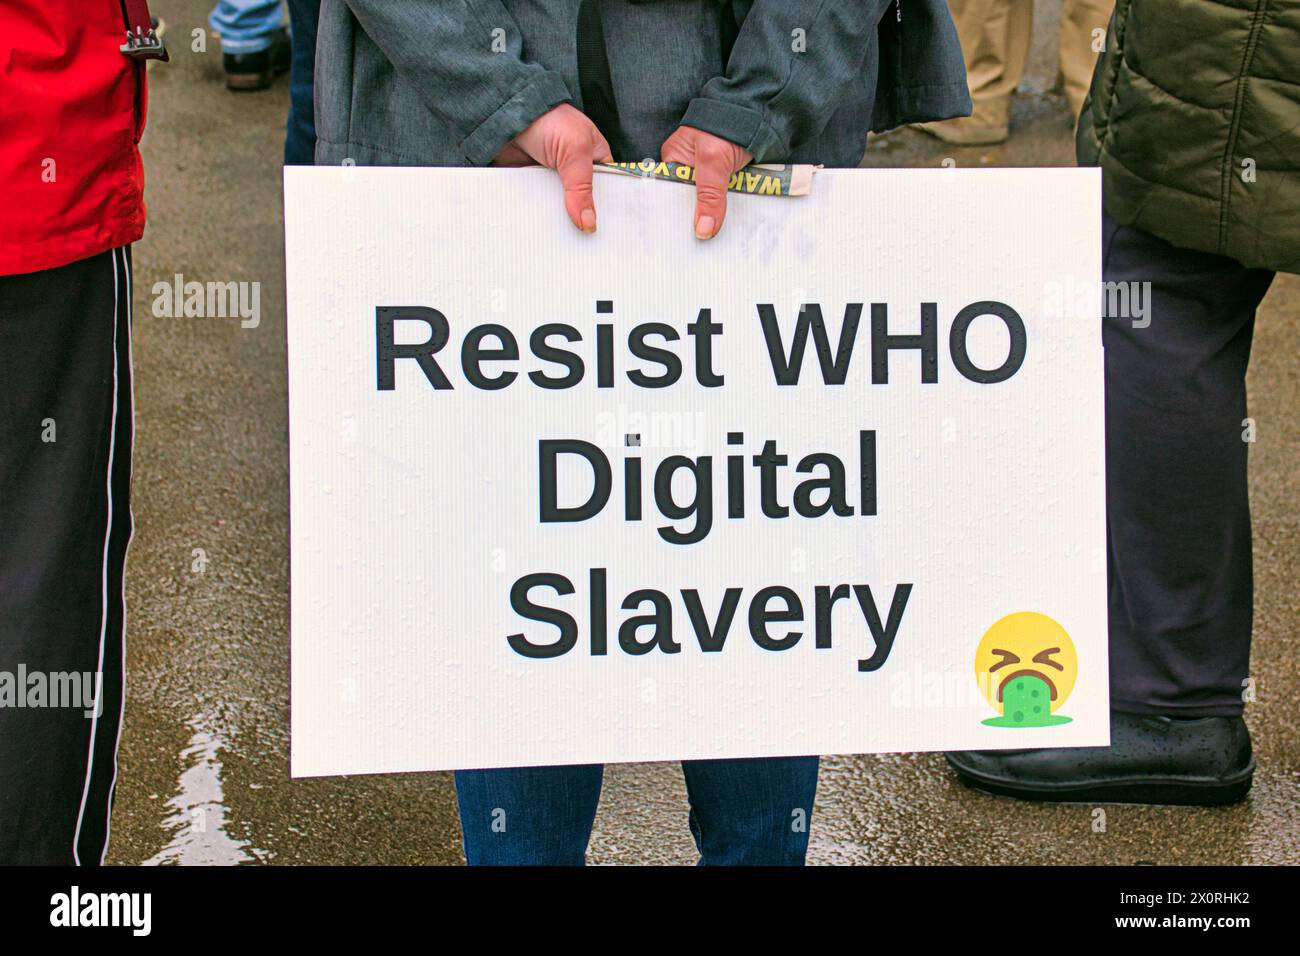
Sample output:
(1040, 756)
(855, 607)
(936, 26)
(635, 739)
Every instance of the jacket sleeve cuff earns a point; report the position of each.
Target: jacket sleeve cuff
(513, 117)
(738, 124)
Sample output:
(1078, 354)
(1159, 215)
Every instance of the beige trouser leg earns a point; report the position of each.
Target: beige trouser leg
(994, 38)
(1079, 47)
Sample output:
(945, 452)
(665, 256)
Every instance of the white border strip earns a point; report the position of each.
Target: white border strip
(103, 616)
(130, 536)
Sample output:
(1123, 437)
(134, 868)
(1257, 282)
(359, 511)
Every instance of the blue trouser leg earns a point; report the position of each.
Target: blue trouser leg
(743, 812)
(751, 812)
(528, 816)
(300, 131)
(245, 25)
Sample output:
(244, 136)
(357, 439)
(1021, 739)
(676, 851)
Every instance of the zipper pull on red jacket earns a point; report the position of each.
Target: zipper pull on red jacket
(142, 40)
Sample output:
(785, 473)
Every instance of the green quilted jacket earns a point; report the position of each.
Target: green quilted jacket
(1194, 117)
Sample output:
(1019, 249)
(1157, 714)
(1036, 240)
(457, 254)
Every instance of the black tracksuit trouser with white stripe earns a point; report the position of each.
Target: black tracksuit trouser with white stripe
(65, 522)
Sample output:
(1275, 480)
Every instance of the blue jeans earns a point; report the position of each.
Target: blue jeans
(743, 812)
(245, 25)
(300, 132)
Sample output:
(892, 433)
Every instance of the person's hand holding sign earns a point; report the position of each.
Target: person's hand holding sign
(714, 160)
(565, 140)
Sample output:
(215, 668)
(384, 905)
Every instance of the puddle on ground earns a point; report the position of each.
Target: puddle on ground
(197, 821)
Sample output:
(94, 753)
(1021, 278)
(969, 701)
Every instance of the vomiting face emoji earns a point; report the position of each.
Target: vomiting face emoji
(1025, 665)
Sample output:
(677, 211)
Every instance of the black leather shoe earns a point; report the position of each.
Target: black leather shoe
(256, 71)
(1203, 761)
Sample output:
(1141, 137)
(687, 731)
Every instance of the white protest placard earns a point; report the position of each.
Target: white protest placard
(831, 482)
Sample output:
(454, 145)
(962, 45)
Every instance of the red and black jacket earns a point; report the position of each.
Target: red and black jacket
(72, 110)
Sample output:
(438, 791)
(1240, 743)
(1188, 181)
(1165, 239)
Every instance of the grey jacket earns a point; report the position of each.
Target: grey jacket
(449, 82)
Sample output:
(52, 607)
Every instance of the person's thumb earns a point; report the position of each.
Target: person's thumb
(574, 166)
(712, 174)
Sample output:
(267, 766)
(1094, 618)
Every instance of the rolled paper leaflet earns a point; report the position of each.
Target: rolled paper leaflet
(762, 179)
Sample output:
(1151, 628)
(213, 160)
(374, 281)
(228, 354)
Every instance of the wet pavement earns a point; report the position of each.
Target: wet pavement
(203, 766)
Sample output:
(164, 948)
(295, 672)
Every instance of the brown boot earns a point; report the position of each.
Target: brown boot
(986, 125)
(964, 131)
